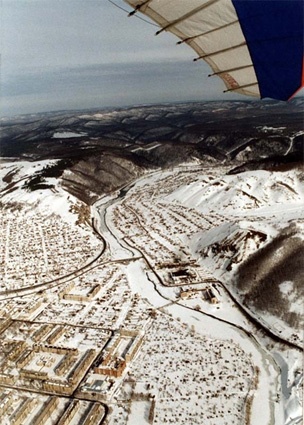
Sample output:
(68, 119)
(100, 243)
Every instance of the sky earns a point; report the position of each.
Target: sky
(76, 54)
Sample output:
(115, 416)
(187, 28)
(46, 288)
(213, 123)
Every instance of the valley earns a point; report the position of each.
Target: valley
(127, 276)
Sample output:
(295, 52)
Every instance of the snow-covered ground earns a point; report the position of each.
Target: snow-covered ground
(256, 206)
(225, 200)
(241, 193)
(67, 135)
(197, 362)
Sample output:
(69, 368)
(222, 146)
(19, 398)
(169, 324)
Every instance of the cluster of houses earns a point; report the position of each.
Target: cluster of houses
(78, 340)
(46, 356)
(16, 409)
(192, 378)
(36, 248)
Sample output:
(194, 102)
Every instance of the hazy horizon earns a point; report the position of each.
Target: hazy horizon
(77, 55)
(80, 55)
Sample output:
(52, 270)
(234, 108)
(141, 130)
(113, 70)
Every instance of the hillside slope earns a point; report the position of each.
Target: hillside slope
(258, 249)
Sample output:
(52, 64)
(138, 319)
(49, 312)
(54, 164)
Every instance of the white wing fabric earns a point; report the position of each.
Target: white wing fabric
(254, 46)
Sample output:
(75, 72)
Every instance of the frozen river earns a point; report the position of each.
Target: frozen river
(267, 405)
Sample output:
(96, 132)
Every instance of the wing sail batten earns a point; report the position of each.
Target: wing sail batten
(241, 40)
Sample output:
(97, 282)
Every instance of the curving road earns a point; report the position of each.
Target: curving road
(267, 396)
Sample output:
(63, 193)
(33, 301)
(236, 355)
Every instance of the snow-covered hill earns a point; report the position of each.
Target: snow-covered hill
(21, 183)
(257, 250)
(240, 193)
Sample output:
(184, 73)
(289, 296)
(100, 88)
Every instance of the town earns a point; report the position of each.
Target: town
(124, 332)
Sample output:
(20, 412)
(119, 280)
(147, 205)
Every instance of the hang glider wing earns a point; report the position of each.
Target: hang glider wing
(254, 46)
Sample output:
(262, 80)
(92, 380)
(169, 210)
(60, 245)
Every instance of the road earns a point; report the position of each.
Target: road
(266, 398)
